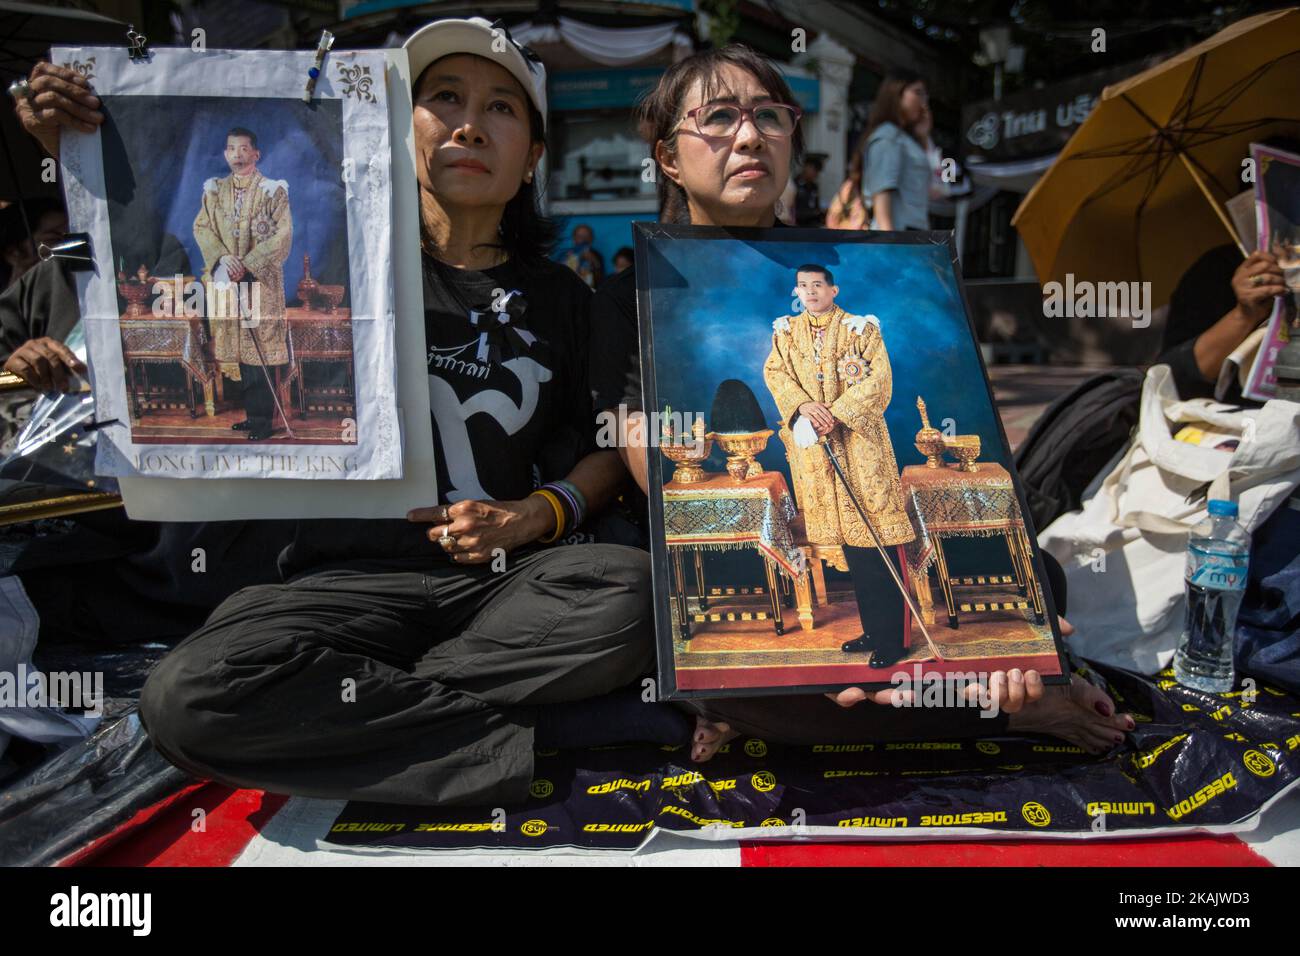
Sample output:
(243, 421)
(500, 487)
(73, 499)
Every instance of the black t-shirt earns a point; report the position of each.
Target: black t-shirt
(501, 422)
(615, 369)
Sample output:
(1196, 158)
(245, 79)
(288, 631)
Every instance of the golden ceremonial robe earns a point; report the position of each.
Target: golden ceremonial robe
(249, 218)
(856, 383)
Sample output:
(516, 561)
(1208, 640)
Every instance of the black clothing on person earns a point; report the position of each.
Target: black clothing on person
(411, 687)
(493, 422)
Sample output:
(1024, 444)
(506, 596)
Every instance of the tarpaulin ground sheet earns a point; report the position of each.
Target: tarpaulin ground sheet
(1195, 761)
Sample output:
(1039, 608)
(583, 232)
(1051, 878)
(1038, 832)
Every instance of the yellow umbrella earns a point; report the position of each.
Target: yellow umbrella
(1137, 193)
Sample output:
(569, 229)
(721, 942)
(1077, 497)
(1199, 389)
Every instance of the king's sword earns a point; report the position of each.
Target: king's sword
(893, 572)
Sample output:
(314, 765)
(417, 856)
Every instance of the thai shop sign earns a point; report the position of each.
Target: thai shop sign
(1036, 122)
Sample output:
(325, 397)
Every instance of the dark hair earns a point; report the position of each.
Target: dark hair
(884, 109)
(240, 131)
(525, 234)
(659, 111)
(12, 230)
(814, 267)
(626, 252)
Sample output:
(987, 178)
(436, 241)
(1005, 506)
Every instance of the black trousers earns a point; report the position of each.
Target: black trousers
(259, 403)
(414, 687)
(880, 606)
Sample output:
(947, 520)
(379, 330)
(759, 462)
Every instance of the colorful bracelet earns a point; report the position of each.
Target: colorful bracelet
(559, 514)
(580, 501)
(570, 495)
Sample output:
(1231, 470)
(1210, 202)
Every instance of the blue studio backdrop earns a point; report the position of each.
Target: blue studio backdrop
(715, 301)
(158, 152)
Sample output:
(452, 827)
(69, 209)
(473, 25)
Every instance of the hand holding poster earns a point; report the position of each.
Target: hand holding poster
(1277, 198)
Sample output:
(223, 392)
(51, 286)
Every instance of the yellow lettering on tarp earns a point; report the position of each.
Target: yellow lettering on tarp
(617, 827)
(1202, 796)
(923, 746)
(682, 780)
(367, 827)
(1121, 809)
(1293, 742)
(622, 783)
(702, 821)
(719, 785)
(1057, 749)
(841, 748)
(456, 827)
(873, 822)
(963, 819)
(1222, 712)
(832, 774)
(1146, 759)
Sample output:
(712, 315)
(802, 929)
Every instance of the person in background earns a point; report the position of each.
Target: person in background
(18, 250)
(623, 259)
(896, 171)
(938, 188)
(808, 202)
(583, 258)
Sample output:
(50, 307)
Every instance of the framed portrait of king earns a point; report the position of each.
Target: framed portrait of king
(832, 496)
(239, 316)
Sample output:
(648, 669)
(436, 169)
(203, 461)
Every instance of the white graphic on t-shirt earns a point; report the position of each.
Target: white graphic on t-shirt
(445, 358)
(451, 414)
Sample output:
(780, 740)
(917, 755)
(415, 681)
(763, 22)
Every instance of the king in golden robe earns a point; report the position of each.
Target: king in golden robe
(831, 367)
(244, 231)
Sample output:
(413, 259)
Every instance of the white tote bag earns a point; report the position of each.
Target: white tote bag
(1124, 550)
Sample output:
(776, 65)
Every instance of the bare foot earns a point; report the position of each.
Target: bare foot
(708, 737)
(1080, 713)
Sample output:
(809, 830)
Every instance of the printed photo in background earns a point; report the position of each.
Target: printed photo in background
(762, 350)
(1277, 215)
(241, 304)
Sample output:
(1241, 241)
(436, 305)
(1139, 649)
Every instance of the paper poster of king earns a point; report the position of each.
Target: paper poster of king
(244, 230)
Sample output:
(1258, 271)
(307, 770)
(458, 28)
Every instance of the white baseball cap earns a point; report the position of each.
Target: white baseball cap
(478, 37)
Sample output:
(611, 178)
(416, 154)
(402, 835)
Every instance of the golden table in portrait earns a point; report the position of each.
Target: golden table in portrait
(949, 502)
(721, 513)
(315, 336)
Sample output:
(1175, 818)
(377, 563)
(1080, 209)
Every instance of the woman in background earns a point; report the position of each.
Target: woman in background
(896, 170)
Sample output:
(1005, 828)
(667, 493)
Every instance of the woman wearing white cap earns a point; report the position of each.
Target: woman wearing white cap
(421, 661)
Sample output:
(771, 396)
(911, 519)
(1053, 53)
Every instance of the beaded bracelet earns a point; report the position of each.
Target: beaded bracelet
(559, 514)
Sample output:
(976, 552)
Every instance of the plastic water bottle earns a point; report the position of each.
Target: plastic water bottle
(1218, 553)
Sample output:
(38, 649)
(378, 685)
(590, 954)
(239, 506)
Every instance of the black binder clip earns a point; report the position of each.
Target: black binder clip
(137, 49)
(73, 247)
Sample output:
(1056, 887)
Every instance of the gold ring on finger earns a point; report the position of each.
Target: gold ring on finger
(1256, 280)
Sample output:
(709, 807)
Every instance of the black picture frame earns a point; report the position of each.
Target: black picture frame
(646, 235)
